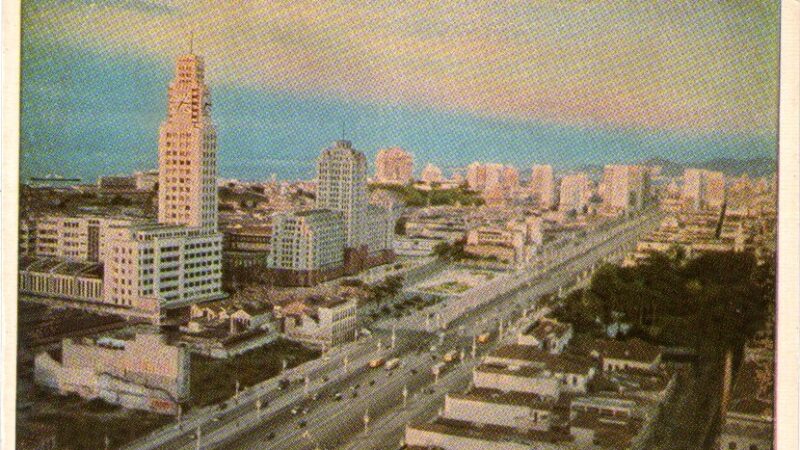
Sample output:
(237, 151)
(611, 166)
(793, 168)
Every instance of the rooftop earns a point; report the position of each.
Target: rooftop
(61, 266)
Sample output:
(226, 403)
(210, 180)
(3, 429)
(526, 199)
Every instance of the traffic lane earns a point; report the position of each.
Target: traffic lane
(407, 347)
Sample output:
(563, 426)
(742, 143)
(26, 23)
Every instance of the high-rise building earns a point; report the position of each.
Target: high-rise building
(491, 176)
(431, 174)
(145, 269)
(542, 185)
(574, 192)
(393, 166)
(342, 186)
(187, 151)
(703, 188)
(624, 187)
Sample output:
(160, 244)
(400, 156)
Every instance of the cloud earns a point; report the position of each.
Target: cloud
(689, 65)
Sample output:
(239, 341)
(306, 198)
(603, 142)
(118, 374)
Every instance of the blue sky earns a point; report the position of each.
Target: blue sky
(91, 109)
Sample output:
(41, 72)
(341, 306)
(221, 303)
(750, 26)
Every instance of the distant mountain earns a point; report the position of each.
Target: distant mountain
(668, 168)
(756, 167)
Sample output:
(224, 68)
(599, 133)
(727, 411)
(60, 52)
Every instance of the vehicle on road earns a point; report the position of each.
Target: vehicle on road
(375, 363)
(302, 424)
(295, 411)
(392, 363)
(337, 396)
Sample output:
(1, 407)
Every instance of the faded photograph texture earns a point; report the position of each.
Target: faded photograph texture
(423, 225)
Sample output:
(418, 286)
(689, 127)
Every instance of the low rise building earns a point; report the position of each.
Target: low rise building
(320, 322)
(547, 334)
(415, 246)
(516, 242)
(144, 373)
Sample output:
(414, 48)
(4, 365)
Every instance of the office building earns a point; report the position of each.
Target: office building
(307, 248)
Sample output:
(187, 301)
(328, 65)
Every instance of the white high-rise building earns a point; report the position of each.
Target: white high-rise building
(624, 187)
(342, 186)
(703, 188)
(187, 151)
(542, 185)
(575, 192)
(393, 166)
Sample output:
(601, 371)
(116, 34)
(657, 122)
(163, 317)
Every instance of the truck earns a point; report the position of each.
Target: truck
(375, 363)
(392, 363)
(450, 356)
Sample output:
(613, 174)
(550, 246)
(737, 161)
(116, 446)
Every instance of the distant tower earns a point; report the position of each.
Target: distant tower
(542, 185)
(187, 149)
(342, 186)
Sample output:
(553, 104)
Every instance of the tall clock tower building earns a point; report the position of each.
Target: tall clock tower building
(187, 151)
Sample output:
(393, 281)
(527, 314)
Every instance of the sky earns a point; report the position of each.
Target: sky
(519, 82)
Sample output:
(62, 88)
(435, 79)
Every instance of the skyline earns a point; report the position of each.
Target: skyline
(69, 83)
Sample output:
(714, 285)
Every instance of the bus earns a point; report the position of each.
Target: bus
(375, 363)
(392, 363)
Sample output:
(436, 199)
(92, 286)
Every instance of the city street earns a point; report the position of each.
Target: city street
(328, 425)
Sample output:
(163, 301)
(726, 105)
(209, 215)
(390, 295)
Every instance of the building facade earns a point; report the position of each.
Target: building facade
(187, 151)
(308, 247)
(394, 166)
(342, 186)
(542, 185)
(574, 193)
(321, 322)
(144, 373)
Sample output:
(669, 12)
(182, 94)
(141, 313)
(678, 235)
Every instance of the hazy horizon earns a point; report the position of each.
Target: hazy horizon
(92, 106)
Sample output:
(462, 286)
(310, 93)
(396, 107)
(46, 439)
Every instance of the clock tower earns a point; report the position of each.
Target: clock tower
(187, 151)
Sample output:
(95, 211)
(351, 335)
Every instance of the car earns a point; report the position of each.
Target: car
(305, 411)
(295, 411)
(302, 424)
(337, 396)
